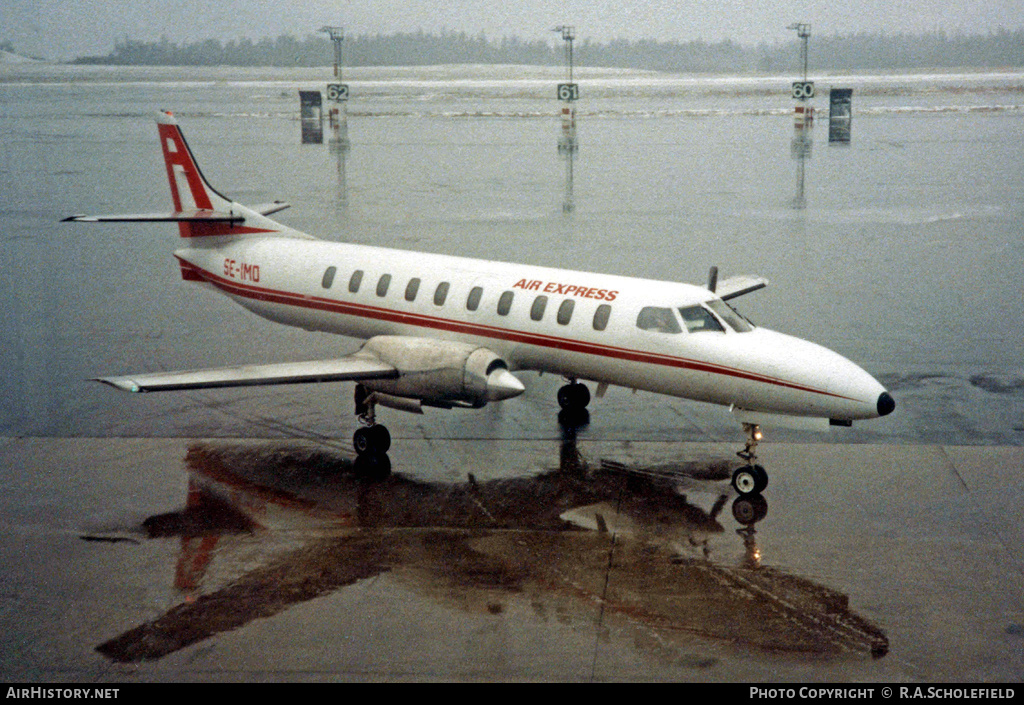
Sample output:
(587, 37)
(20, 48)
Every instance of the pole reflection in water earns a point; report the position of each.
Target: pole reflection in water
(481, 545)
(339, 146)
(567, 149)
(800, 149)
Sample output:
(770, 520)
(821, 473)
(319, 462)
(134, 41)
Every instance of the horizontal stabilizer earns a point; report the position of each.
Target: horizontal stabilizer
(268, 208)
(353, 367)
(195, 215)
(740, 285)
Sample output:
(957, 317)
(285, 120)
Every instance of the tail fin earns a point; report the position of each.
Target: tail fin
(199, 209)
(189, 189)
(192, 193)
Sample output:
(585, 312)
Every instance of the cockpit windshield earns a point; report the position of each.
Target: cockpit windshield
(698, 319)
(730, 315)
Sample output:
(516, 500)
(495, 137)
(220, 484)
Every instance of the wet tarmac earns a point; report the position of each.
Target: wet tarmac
(144, 541)
(223, 560)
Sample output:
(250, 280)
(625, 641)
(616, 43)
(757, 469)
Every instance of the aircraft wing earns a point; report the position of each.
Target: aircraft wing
(352, 367)
(740, 285)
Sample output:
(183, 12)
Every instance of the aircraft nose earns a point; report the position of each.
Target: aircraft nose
(886, 404)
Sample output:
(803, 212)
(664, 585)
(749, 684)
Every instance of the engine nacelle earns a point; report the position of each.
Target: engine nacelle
(441, 373)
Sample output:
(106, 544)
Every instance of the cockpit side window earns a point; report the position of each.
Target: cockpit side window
(698, 320)
(732, 317)
(659, 320)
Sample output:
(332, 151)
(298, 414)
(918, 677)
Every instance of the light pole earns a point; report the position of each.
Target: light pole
(337, 35)
(803, 118)
(568, 93)
(804, 32)
(568, 35)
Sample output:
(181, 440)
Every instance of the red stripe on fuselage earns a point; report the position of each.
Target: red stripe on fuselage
(256, 293)
(190, 273)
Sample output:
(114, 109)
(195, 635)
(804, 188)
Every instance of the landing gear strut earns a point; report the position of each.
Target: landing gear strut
(371, 440)
(751, 479)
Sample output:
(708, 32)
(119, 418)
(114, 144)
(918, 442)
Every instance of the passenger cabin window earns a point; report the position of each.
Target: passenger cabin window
(565, 312)
(601, 315)
(659, 320)
(328, 277)
(699, 320)
(412, 289)
(441, 293)
(505, 303)
(355, 281)
(382, 285)
(473, 301)
(537, 310)
(731, 316)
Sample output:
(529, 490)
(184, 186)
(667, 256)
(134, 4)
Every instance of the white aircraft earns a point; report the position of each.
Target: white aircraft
(447, 332)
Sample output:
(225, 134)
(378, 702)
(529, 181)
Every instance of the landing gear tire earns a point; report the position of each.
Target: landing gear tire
(750, 480)
(369, 440)
(574, 396)
(372, 466)
(572, 400)
(762, 478)
(750, 509)
(382, 439)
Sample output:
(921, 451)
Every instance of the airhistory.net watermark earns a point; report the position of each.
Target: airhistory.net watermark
(62, 693)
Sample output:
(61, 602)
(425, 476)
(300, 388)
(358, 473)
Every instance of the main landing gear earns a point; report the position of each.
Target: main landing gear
(751, 479)
(574, 396)
(572, 400)
(371, 440)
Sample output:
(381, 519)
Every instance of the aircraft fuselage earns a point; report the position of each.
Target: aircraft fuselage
(623, 331)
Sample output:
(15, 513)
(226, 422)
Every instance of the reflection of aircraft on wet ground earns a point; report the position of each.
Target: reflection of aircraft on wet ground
(447, 332)
(481, 546)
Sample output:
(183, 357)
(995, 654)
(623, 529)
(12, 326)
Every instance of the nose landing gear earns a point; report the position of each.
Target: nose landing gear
(751, 479)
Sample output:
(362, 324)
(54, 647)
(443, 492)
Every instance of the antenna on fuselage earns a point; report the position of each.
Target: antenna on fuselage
(713, 279)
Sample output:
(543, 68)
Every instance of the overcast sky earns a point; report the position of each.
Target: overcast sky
(61, 29)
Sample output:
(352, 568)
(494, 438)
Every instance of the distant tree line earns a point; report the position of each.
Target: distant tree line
(839, 53)
(836, 53)
(7, 45)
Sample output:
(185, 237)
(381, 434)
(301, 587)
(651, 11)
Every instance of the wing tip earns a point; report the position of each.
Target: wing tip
(123, 383)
